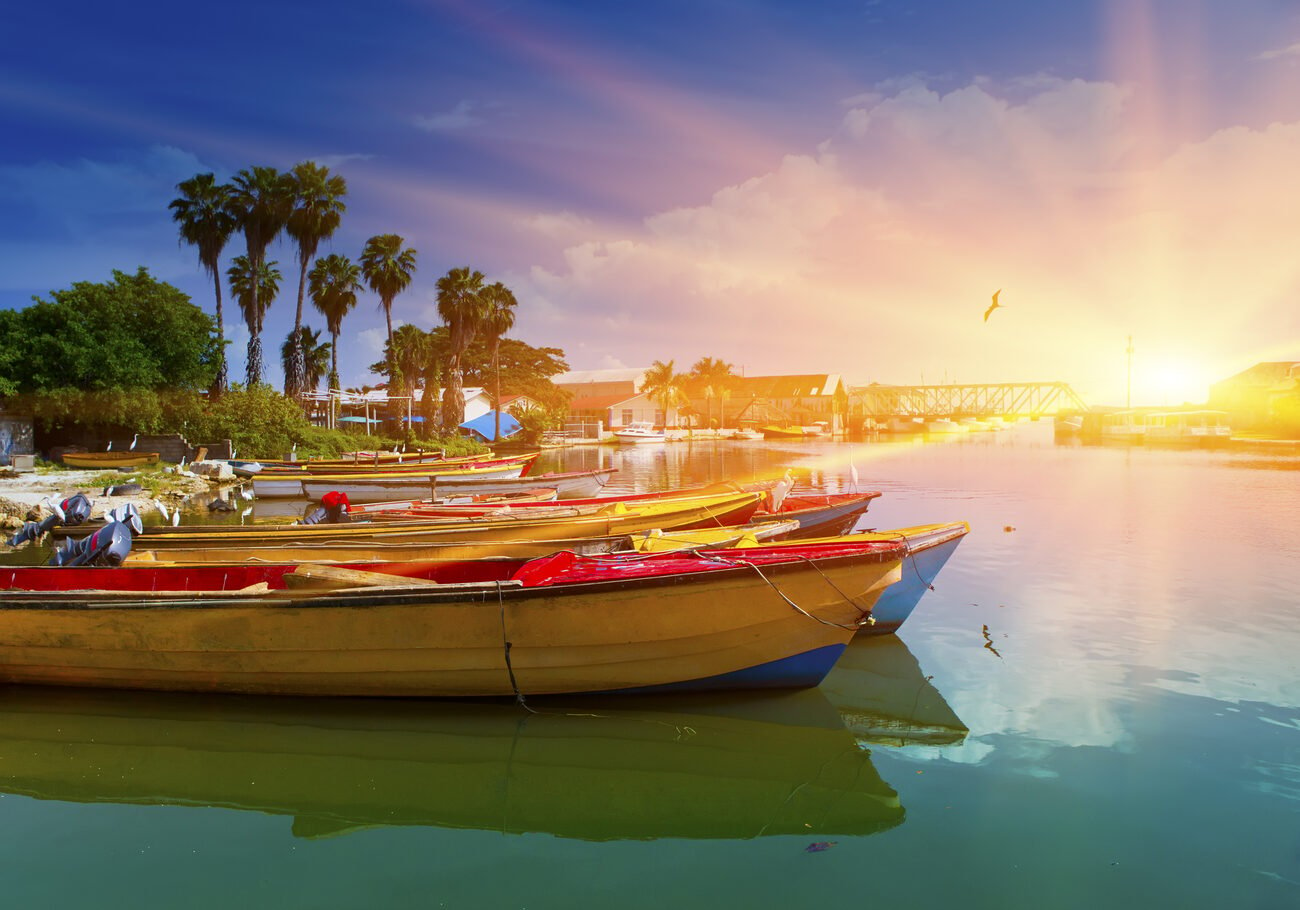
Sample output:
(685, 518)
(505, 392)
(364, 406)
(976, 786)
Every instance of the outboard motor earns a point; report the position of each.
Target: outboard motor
(108, 546)
(333, 510)
(71, 512)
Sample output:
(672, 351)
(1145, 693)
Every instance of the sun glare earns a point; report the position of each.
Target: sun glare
(1170, 382)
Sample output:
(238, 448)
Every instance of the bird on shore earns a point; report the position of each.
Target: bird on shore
(993, 306)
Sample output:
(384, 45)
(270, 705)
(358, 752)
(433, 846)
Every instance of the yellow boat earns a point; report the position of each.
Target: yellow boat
(719, 766)
(235, 543)
(774, 617)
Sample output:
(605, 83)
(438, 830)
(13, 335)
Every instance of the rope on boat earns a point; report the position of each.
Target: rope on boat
(519, 696)
(865, 617)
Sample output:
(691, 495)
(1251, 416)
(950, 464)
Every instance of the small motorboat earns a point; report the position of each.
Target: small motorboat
(639, 433)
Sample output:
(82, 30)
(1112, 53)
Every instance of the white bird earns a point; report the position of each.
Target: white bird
(134, 440)
(162, 509)
(994, 306)
(176, 518)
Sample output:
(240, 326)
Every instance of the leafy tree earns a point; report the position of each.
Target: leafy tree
(134, 332)
(261, 200)
(255, 298)
(462, 307)
(388, 269)
(317, 210)
(335, 281)
(202, 213)
(663, 385)
(715, 379)
(315, 354)
(499, 319)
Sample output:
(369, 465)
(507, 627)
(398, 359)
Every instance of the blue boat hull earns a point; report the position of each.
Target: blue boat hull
(920, 568)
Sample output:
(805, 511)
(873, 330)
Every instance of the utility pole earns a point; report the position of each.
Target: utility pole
(1128, 400)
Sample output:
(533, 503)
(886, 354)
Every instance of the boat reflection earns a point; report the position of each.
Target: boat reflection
(710, 767)
(885, 699)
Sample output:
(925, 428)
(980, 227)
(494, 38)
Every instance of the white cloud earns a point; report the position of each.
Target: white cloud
(372, 341)
(464, 115)
(1290, 51)
(875, 256)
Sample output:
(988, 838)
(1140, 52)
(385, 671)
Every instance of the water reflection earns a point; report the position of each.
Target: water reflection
(738, 767)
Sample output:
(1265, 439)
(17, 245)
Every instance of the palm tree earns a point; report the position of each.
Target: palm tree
(202, 211)
(260, 201)
(317, 209)
(254, 298)
(413, 352)
(462, 307)
(714, 377)
(662, 384)
(335, 281)
(388, 269)
(499, 319)
(315, 353)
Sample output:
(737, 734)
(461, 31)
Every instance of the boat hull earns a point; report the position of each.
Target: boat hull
(375, 488)
(928, 550)
(109, 460)
(729, 627)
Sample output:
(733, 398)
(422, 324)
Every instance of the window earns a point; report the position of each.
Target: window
(659, 419)
(626, 417)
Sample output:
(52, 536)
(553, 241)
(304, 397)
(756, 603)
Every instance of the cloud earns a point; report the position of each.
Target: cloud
(336, 161)
(875, 256)
(372, 341)
(1291, 51)
(461, 117)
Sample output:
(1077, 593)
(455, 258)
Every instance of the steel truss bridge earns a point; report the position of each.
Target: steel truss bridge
(1024, 399)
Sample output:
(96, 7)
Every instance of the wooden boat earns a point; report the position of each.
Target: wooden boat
(291, 486)
(753, 765)
(109, 460)
(236, 542)
(566, 484)
(773, 618)
(308, 470)
(639, 434)
(779, 433)
(928, 548)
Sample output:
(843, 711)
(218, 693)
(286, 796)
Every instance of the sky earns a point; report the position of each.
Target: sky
(791, 187)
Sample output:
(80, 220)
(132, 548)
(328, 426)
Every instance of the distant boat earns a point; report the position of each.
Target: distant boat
(1192, 428)
(1123, 426)
(942, 425)
(109, 459)
(747, 434)
(639, 434)
(773, 432)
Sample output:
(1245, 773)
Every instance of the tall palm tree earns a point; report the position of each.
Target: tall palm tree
(202, 212)
(663, 385)
(413, 352)
(335, 281)
(316, 355)
(261, 199)
(317, 209)
(254, 298)
(388, 269)
(499, 319)
(462, 307)
(714, 378)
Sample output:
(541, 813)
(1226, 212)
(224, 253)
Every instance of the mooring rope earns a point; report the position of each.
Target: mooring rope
(865, 620)
(506, 644)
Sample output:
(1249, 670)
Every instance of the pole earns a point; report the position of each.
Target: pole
(1128, 398)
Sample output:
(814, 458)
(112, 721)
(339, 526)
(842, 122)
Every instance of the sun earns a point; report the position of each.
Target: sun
(1170, 382)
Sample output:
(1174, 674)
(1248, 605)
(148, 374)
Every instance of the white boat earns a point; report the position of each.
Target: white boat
(571, 484)
(749, 434)
(944, 425)
(1123, 426)
(904, 425)
(639, 433)
(975, 425)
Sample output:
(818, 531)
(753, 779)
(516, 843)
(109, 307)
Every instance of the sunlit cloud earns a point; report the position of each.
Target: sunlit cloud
(1289, 51)
(466, 114)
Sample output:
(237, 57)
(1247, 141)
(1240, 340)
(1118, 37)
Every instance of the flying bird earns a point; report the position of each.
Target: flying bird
(993, 306)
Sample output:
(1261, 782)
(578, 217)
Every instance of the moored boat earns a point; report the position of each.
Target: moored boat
(109, 460)
(639, 434)
(779, 433)
(271, 485)
(567, 484)
(757, 618)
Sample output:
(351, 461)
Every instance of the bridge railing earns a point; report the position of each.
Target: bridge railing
(1030, 399)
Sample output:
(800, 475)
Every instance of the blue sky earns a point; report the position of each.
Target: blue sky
(815, 186)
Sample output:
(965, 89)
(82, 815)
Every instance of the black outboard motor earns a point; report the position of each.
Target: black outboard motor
(108, 546)
(333, 510)
(71, 512)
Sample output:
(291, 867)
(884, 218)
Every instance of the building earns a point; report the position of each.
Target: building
(1264, 398)
(799, 400)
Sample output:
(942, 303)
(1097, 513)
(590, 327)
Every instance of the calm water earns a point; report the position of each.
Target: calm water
(1099, 705)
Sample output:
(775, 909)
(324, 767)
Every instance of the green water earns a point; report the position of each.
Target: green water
(1098, 707)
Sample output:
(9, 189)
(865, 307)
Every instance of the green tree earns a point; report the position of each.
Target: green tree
(255, 298)
(202, 214)
(134, 332)
(315, 355)
(462, 307)
(663, 385)
(714, 378)
(388, 270)
(497, 320)
(261, 199)
(335, 281)
(318, 208)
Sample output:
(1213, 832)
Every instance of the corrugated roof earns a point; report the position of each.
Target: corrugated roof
(808, 385)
